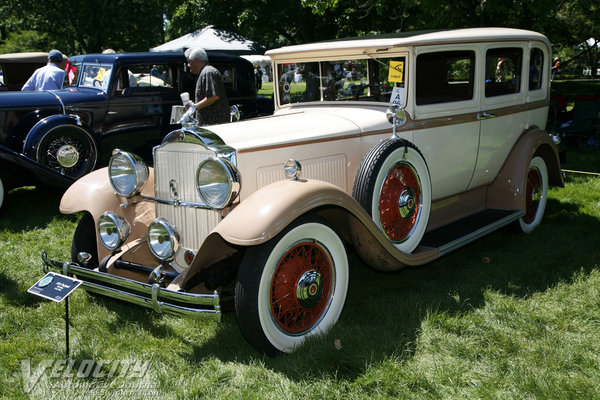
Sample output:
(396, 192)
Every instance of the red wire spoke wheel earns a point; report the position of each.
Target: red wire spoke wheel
(394, 187)
(292, 287)
(400, 202)
(532, 194)
(301, 287)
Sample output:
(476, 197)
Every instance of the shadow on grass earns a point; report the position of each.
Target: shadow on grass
(30, 207)
(15, 295)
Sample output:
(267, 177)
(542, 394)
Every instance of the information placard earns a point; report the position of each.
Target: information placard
(54, 286)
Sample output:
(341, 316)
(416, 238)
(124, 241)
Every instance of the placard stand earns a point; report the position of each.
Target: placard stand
(57, 287)
(67, 326)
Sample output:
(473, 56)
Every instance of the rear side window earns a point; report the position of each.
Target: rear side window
(536, 65)
(444, 77)
(503, 71)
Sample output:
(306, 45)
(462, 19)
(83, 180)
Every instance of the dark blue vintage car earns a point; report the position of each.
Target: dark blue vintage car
(108, 101)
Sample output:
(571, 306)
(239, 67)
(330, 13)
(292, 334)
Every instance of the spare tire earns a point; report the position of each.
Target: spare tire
(394, 187)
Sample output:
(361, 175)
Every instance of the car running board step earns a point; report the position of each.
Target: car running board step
(457, 234)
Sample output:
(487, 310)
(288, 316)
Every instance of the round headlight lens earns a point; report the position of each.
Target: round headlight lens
(113, 230)
(163, 239)
(217, 182)
(127, 173)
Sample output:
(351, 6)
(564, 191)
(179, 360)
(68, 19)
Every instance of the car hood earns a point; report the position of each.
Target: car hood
(307, 124)
(24, 99)
(48, 99)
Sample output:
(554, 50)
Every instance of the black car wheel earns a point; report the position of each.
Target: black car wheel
(69, 150)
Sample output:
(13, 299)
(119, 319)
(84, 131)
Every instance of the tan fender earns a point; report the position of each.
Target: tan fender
(94, 194)
(270, 209)
(507, 190)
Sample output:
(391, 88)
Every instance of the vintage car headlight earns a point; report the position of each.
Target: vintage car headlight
(113, 230)
(217, 182)
(163, 239)
(127, 173)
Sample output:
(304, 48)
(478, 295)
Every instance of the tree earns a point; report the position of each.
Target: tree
(85, 26)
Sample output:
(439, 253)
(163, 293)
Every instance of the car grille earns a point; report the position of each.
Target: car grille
(175, 167)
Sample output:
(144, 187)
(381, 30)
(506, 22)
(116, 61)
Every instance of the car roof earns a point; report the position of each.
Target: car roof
(405, 39)
(27, 57)
(154, 57)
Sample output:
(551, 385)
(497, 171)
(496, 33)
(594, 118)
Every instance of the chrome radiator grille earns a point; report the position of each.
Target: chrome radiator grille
(175, 167)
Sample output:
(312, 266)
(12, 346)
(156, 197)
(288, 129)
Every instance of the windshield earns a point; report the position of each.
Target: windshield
(370, 79)
(88, 75)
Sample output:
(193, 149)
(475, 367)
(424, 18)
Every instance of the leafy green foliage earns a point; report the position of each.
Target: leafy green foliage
(86, 26)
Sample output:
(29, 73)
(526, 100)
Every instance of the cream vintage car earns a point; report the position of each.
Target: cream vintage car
(405, 147)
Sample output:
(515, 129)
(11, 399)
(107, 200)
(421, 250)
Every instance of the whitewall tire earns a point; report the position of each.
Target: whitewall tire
(292, 287)
(536, 194)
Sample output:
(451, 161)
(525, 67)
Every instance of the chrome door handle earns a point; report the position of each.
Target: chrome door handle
(484, 115)
(112, 113)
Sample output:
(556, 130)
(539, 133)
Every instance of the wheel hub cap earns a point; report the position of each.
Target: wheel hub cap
(407, 203)
(309, 289)
(67, 156)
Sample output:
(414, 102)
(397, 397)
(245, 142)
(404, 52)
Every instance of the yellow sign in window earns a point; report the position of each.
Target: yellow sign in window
(396, 71)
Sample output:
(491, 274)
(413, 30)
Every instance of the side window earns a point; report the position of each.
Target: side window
(145, 78)
(503, 71)
(228, 76)
(536, 65)
(444, 77)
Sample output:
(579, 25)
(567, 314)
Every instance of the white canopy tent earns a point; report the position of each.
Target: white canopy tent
(212, 39)
(257, 59)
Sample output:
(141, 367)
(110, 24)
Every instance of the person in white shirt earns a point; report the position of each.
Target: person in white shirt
(48, 77)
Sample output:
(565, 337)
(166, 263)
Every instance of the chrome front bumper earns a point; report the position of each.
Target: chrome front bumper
(153, 296)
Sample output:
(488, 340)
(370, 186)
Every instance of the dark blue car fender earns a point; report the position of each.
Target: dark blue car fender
(58, 131)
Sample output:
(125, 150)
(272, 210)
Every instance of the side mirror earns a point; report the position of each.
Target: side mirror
(397, 116)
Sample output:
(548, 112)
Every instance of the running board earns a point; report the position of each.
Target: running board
(457, 234)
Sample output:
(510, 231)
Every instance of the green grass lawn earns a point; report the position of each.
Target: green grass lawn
(510, 316)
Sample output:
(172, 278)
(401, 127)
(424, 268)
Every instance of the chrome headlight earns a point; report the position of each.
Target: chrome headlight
(113, 230)
(217, 182)
(163, 239)
(127, 173)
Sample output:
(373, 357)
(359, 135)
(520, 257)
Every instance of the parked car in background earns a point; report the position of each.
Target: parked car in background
(108, 100)
(16, 68)
(405, 147)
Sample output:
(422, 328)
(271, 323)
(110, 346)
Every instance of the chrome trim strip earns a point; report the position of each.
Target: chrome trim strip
(150, 295)
(203, 137)
(64, 112)
(214, 315)
(448, 247)
(177, 202)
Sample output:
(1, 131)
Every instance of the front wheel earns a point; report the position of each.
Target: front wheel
(292, 287)
(69, 150)
(536, 194)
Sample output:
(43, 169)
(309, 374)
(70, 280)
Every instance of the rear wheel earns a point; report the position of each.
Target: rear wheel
(536, 194)
(292, 287)
(67, 149)
(394, 187)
